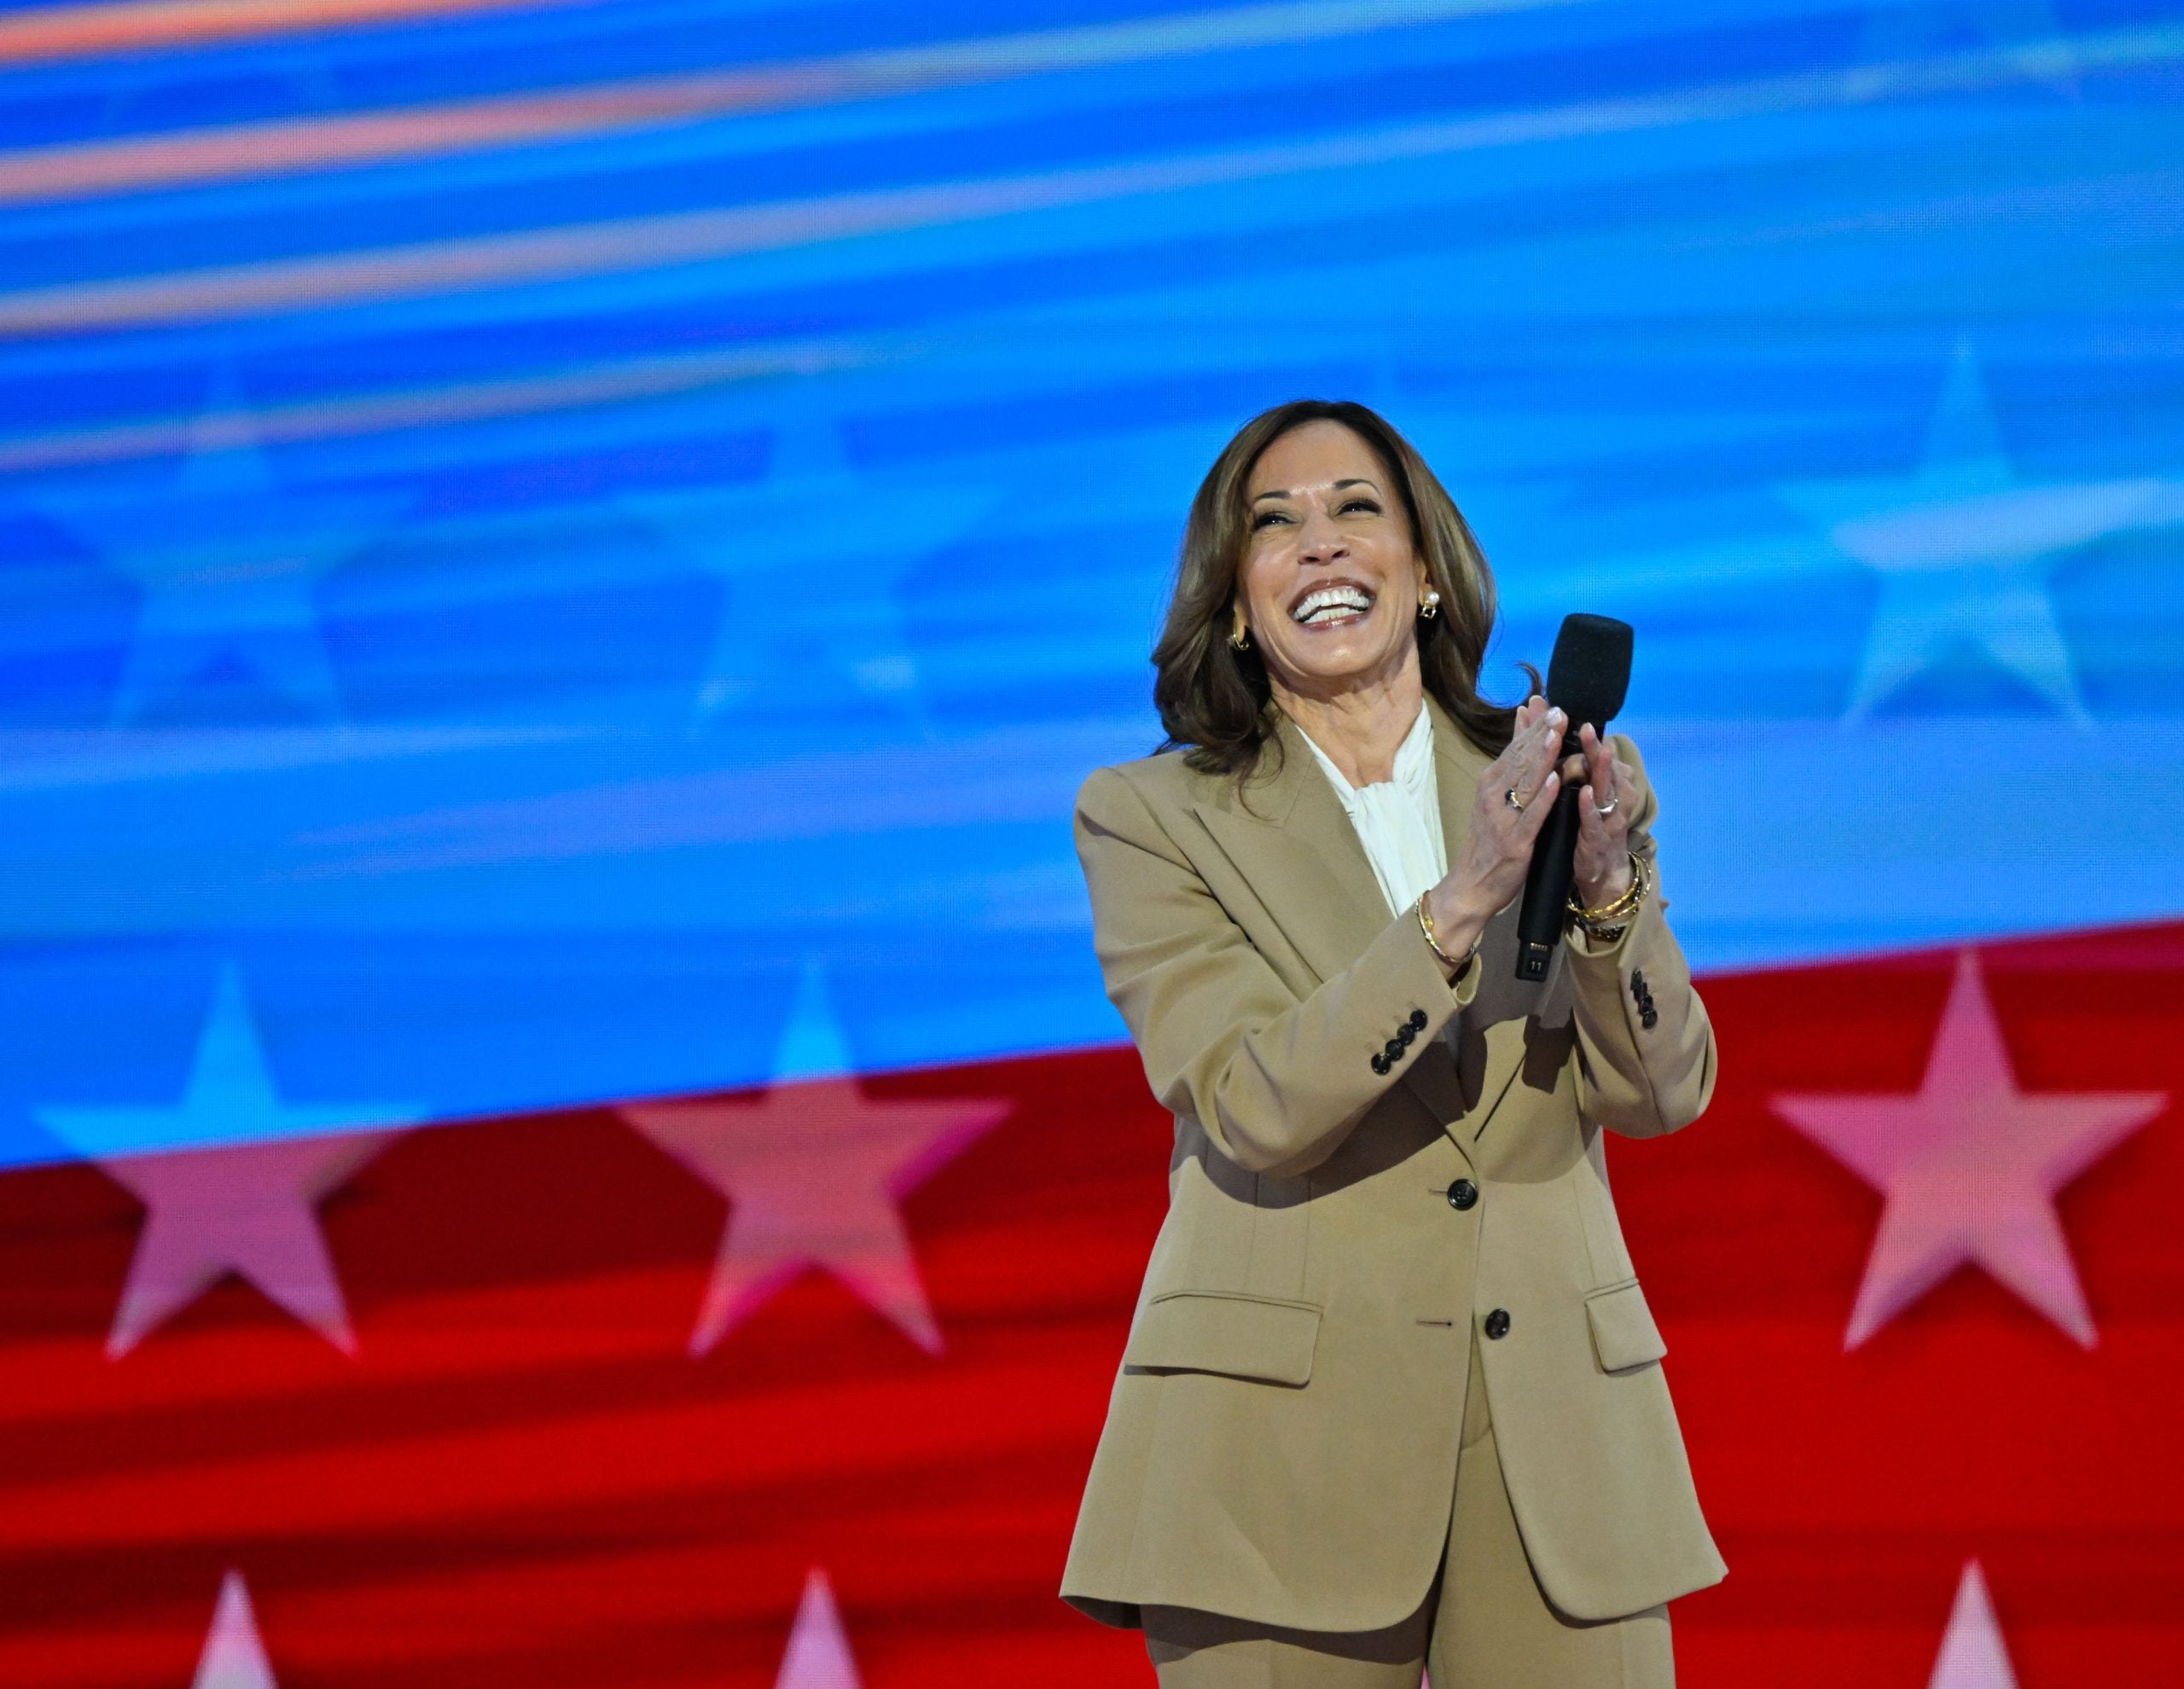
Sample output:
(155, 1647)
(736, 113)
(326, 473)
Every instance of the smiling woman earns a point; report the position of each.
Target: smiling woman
(1267, 501)
(1392, 1395)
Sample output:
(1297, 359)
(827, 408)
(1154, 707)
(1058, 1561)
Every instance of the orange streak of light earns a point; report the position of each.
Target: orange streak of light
(48, 33)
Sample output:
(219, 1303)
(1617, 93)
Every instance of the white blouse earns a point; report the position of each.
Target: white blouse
(1398, 821)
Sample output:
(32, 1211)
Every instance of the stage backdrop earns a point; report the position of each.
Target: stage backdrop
(562, 564)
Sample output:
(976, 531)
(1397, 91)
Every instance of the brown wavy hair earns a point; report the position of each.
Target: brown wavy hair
(1214, 700)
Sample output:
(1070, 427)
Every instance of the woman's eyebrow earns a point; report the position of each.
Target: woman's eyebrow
(1284, 492)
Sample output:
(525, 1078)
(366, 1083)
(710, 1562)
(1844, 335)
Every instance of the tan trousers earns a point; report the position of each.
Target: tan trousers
(1485, 1625)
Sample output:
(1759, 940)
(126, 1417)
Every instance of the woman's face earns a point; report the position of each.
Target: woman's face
(1331, 580)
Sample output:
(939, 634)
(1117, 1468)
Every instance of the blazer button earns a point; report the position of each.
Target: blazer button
(1463, 1195)
(1404, 1034)
(1497, 1323)
(1418, 1020)
(1380, 1064)
(1391, 1049)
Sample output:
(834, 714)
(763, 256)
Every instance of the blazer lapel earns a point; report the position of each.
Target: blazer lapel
(1434, 1077)
(1457, 765)
(1465, 1089)
(1289, 837)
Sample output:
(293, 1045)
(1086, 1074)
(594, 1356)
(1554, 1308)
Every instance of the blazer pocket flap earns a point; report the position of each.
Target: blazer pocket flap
(1624, 1332)
(1242, 1336)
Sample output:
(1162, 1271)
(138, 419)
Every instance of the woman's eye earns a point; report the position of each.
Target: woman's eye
(1365, 504)
(1267, 518)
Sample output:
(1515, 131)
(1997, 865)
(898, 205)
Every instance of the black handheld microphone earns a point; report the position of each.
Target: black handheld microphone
(1587, 677)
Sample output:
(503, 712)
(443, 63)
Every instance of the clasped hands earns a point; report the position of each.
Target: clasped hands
(1489, 872)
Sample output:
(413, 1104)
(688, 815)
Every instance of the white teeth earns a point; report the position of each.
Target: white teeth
(1330, 603)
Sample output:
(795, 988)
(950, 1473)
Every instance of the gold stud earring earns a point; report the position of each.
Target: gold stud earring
(1241, 638)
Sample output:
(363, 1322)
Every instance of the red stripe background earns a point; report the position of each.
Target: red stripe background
(523, 1477)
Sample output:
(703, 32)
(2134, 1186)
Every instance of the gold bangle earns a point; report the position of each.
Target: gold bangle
(1621, 908)
(1457, 965)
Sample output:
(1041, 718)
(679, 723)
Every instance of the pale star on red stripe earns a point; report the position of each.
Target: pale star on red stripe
(815, 1172)
(245, 1199)
(1970, 1165)
(234, 1656)
(1973, 1654)
(818, 1653)
(814, 1175)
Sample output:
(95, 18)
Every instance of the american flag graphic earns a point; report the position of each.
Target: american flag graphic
(562, 561)
(797, 1385)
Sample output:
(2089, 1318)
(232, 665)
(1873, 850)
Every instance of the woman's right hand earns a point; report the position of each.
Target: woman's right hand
(1497, 852)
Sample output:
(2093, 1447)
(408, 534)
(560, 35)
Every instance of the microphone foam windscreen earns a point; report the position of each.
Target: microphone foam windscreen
(1591, 669)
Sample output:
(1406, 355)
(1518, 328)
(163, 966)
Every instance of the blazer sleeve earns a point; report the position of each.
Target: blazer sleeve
(1645, 1050)
(1276, 1081)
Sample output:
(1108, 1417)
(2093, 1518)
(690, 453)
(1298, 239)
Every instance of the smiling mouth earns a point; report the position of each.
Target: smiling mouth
(1332, 605)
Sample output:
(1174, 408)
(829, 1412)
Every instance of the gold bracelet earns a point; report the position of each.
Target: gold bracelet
(1426, 926)
(1621, 908)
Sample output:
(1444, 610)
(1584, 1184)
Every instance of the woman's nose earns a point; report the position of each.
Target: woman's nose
(1319, 539)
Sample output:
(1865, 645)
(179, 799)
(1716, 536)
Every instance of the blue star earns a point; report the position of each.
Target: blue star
(228, 564)
(810, 559)
(1962, 549)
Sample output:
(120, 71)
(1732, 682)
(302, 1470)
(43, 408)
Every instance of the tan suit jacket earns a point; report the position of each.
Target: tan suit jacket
(1281, 1441)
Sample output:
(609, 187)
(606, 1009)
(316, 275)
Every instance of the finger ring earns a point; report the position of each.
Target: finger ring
(1603, 810)
(1511, 799)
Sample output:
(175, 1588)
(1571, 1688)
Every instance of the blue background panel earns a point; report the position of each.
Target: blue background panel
(527, 534)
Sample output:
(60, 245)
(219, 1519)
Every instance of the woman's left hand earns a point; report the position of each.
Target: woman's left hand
(1604, 806)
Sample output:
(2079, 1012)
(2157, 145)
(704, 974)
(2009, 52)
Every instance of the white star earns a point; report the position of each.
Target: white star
(818, 1652)
(810, 559)
(815, 1173)
(1963, 550)
(234, 1656)
(1973, 1655)
(1970, 1166)
(228, 564)
(215, 1205)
